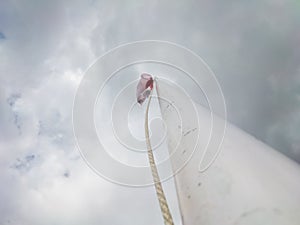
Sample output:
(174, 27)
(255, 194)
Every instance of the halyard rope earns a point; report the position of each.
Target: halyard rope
(158, 187)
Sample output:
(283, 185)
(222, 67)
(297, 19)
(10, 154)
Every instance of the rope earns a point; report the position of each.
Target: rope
(158, 187)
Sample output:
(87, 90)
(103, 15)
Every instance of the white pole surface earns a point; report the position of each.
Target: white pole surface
(249, 184)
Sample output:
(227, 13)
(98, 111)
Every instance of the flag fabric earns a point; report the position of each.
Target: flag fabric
(144, 87)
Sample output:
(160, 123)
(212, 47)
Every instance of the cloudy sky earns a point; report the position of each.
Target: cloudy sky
(45, 47)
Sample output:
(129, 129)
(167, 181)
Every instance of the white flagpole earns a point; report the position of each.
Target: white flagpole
(158, 187)
(249, 183)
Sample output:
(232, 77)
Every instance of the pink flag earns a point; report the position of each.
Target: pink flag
(144, 87)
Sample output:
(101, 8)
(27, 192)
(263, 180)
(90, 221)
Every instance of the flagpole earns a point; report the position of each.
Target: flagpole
(158, 187)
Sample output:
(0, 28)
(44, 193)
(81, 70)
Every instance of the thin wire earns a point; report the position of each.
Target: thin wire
(158, 187)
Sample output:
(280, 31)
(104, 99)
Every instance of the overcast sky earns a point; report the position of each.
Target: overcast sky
(45, 47)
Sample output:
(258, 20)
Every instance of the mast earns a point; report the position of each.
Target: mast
(248, 183)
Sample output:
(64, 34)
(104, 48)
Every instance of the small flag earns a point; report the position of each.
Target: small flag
(144, 87)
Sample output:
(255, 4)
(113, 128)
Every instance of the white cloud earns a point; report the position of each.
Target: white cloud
(44, 49)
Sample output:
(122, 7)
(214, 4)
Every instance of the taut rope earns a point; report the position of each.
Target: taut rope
(158, 187)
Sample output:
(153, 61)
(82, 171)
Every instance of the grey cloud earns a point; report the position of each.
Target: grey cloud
(2, 36)
(253, 48)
